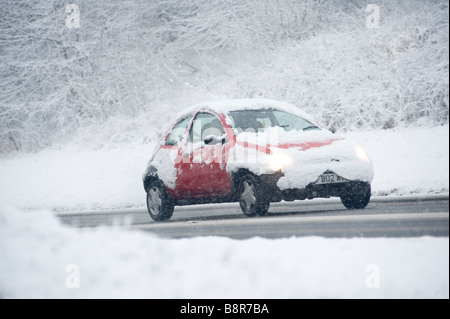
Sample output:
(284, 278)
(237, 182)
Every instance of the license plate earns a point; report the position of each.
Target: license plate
(330, 178)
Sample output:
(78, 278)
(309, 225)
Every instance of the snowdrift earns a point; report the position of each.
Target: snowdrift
(42, 259)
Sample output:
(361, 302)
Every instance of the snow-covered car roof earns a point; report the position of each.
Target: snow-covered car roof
(228, 105)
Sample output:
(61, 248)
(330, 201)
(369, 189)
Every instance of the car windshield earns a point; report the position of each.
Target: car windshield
(260, 120)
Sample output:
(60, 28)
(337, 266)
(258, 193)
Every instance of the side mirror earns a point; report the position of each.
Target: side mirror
(214, 140)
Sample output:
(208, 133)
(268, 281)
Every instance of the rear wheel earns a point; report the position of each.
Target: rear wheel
(159, 203)
(357, 201)
(252, 199)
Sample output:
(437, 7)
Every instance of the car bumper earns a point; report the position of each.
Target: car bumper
(311, 190)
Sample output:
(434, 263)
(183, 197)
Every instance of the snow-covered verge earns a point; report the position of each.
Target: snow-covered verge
(40, 258)
(406, 161)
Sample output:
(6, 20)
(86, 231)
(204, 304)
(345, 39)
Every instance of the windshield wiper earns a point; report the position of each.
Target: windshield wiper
(311, 127)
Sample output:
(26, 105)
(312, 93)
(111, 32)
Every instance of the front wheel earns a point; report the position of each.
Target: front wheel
(252, 199)
(159, 203)
(357, 201)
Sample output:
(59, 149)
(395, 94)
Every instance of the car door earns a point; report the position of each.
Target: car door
(167, 155)
(202, 170)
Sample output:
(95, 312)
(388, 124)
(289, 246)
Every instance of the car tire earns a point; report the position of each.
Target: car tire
(251, 197)
(357, 201)
(159, 203)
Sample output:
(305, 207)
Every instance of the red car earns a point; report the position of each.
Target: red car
(253, 151)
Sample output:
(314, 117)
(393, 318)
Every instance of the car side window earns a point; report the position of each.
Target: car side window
(178, 132)
(205, 124)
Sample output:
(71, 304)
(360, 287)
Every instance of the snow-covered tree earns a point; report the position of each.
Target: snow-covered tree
(131, 64)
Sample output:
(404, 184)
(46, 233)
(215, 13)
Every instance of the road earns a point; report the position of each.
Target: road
(397, 217)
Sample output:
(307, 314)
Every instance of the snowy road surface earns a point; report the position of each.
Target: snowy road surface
(411, 217)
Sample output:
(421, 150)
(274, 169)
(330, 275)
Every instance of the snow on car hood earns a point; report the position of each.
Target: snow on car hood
(301, 156)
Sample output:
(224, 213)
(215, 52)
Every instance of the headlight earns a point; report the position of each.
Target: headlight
(361, 154)
(279, 160)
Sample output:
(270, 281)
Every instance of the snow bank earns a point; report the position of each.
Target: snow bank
(39, 258)
(408, 161)
(76, 179)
